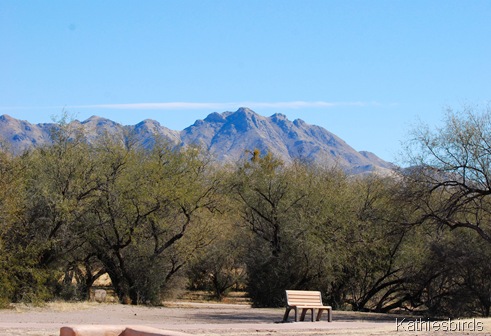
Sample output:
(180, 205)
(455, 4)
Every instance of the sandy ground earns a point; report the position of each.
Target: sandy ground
(213, 320)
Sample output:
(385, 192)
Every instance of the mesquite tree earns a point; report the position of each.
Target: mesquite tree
(451, 178)
(150, 218)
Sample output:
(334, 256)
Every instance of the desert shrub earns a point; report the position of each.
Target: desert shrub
(453, 280)
(268, 280)
(6, 289)
(220, 267)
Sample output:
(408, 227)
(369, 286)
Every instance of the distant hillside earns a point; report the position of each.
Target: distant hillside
(226, 135)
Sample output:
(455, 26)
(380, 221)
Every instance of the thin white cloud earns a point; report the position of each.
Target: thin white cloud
(230, 106)
(224, 106)
(158, 106)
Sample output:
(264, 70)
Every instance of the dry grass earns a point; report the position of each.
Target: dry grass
(55, 306)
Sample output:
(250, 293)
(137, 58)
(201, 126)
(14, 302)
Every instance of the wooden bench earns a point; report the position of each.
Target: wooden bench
(305, 301)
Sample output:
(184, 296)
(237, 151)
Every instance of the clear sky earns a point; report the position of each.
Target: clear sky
(364, 70)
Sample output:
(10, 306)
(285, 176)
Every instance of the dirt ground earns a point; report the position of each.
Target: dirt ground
(219, 319)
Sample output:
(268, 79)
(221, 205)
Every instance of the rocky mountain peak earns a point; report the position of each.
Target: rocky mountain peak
(92, 119)
(299, 122)
(215, 117)
(227, 136)
(6, 118)
(98, 121)
(148, 123)
(243, 119)
(278, 116)
(246, 110)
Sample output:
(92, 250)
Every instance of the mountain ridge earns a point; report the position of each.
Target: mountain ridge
(227, 136)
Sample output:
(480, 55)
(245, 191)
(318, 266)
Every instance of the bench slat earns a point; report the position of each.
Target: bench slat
(294, 297)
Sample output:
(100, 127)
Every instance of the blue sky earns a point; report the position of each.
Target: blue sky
(364, 70)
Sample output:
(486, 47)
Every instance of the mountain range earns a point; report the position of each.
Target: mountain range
(227, 136)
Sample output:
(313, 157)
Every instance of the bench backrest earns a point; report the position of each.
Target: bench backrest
(303, 298)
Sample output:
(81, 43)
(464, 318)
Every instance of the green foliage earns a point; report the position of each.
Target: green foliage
(283, 206)
(20, 279)
(85, 210)
(158, 220)
(150, 218)
(373, 241)
(453, 280)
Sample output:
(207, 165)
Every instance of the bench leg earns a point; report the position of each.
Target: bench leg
(304, 312)
(287, 312)
(319, 314)
(329, 314)
(301, 316)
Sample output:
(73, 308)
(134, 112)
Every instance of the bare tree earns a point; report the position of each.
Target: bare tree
(450, 180)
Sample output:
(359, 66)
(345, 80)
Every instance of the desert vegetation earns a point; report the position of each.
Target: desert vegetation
(161, 220)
